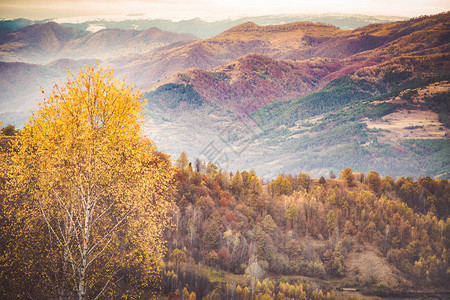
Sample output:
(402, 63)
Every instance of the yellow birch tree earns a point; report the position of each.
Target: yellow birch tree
(82, 170)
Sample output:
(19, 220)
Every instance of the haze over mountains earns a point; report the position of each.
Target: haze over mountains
(197, 26)
(277, 98)
(42, 43)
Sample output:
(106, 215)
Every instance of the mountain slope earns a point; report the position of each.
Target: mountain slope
(36, 42)
(42, 43)
(297, 41)
(403, 131)
(252, 81)
(385, 73)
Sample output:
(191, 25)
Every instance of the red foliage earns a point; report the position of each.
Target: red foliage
(229, 216)
(224, 258)
(223, 202)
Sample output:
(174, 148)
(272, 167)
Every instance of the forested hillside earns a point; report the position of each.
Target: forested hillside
(306, 238)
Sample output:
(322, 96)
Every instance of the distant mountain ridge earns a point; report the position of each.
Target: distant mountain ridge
(206, 29)
(42, 43)
(276, 41)
(34, 41)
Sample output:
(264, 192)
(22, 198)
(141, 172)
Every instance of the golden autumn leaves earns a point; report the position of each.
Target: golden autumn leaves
(82, 169)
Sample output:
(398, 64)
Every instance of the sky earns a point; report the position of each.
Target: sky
(214, 9)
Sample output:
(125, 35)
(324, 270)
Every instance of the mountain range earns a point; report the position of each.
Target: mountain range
(43, 43)
(285, 98)
(197, 26)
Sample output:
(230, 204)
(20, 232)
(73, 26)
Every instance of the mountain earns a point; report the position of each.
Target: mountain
(205, 29)
(311, 56)
(374, 97)
(274, 41)
(295, 41)
(43, 43)
(110, 43)
(284, 98)
(253, 78)
(36, 42)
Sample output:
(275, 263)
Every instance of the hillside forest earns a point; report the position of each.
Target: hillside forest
(236, 232)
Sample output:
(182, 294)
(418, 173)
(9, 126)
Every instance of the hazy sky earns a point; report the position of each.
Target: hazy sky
(215, 9)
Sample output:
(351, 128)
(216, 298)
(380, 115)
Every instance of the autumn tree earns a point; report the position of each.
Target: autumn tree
(332, 175)
(293, 249)
(304, 181)
(280, 186)
(237, 184)
(182, 161)
(224, 258)
(198, 165)
(91, 188)
(322, 180)
(374, 181)
(9, 130)
(348, 177)
(331, 222)
(269, 224)
(178, 256)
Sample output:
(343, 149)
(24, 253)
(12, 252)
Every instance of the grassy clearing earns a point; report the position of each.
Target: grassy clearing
(216, 276)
